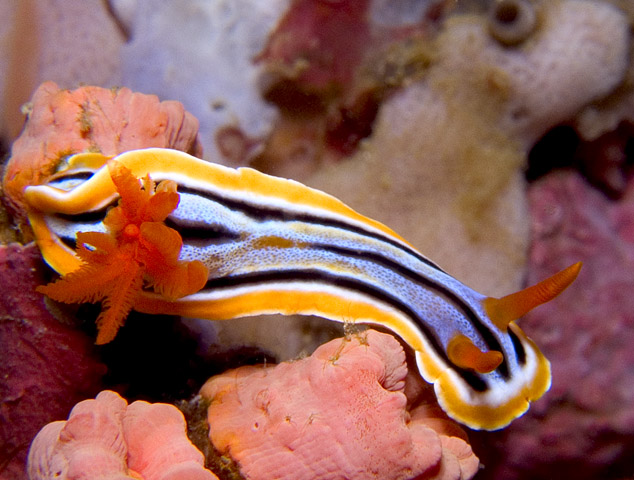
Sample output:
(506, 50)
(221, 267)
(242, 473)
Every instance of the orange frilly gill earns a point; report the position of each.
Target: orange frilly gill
(220, 243)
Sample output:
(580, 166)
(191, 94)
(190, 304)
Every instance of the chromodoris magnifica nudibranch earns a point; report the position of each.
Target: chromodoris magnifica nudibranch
(270, 245)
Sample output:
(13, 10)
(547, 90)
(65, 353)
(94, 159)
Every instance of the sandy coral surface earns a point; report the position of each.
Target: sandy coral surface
(606, 115)
(340, 413)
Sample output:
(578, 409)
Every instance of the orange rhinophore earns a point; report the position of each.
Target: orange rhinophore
(503, 311)
(463, 353)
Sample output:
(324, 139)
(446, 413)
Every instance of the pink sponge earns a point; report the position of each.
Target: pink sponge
(340, 413)
(107, 439)
(90, 118)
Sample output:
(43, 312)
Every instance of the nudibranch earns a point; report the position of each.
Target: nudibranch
(272, 245)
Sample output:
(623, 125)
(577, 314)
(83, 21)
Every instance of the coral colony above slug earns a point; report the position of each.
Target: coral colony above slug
(272, 245)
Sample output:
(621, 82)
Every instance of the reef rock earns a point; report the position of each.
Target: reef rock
(340, 413)
(604, 116)
(46, 366)
(109, 121)
(584, 427)
(202, 53)
(108, 439)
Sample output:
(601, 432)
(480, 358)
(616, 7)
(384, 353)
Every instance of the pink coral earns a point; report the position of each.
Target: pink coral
(110, 121)
(105, 438)
(328, 66)
(340, 413)
(328, 37)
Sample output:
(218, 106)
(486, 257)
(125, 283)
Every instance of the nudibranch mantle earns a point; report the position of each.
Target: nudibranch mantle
(273, 245)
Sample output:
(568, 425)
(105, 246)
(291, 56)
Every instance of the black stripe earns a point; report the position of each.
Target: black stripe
(92, 216)
(520, 353)
(262, 214)
(69, 242)
(486, 334)
(195, 234)
(201, 233)
(75, 175)
(319, 276)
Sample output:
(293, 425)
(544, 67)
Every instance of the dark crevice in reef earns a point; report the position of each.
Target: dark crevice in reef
(157, 359)
(606, 162)
(555, 150)
(195, 411)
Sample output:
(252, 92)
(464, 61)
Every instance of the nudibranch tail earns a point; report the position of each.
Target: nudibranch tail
(504, 310)
(237, 243)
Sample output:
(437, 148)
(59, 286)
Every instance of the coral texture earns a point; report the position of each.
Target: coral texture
(46, 366)
(606, 161)
(584, 427)
(107, 438)
(579, 54)
(604, 116)
(92, 119)
(340, 413)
